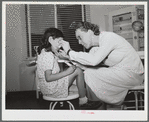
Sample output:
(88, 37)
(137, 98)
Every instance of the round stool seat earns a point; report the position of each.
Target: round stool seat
(137, 87)
(72, 95)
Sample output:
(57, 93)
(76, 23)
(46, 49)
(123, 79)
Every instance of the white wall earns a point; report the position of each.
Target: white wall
(15, 39)
(98, 12)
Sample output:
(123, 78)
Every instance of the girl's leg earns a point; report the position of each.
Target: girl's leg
(83, 100)
(79, 76)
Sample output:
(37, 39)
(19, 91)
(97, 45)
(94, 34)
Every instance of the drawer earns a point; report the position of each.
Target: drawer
(123, 22)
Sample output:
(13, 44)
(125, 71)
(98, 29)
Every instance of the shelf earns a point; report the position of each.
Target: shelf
(123, 22)
(120, 22)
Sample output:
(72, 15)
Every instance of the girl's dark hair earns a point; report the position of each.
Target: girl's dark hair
(85, 26)
(54, 33)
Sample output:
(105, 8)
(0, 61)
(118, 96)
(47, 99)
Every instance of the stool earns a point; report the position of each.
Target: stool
(72, 95)
(138, 92)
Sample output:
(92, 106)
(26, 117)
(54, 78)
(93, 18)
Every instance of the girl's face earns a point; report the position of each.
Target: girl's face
(56, 43)
(84, 38)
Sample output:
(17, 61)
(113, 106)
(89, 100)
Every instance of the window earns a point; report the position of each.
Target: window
(67, 15)
(40, 17)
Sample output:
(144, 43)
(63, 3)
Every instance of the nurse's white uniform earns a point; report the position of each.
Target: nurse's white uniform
(125, 67)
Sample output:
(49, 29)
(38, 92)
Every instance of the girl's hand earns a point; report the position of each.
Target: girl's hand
(71, 69)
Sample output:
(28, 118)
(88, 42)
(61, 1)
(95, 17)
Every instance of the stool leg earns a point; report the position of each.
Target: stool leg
(71, 105)
(50, 107)
(141, 101)
(54, 105)
(136, 99)
(123, 107)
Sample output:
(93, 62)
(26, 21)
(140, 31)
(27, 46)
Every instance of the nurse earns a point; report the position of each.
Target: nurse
(125, 69)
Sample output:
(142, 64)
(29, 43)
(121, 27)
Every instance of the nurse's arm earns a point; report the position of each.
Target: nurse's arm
(96, 58)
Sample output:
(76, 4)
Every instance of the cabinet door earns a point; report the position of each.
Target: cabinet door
(120, 22)
(27, 77)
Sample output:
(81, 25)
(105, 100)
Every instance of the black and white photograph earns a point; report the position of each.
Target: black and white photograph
(74, 60)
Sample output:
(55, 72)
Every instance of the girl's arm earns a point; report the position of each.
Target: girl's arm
(52, 77)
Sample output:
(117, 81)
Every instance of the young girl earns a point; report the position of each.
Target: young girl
(53, 82)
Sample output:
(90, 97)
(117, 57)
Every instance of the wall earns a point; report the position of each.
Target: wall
(15, 41)
(99, 14)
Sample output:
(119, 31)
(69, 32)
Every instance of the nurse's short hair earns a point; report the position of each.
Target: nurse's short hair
(85, 26)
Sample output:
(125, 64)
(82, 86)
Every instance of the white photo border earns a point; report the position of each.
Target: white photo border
(77, 115)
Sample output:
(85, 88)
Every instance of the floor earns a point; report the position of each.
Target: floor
(27, 100)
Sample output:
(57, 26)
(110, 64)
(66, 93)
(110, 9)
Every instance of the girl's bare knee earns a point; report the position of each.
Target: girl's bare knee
(79, 71)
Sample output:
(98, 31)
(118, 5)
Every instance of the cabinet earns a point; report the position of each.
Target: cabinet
(120, 22)
(27, 77)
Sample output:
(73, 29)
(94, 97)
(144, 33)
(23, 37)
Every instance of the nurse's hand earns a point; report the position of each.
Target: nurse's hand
(62, 55)
(65, 46)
